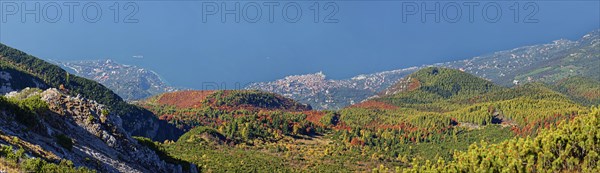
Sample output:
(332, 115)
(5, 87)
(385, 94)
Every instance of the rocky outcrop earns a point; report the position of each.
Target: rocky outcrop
(28, 71)
(97, 137)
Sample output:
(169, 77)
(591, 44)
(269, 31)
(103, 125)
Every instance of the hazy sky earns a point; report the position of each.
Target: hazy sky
(188, 43)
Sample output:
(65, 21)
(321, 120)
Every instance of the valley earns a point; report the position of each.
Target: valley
(531, 109)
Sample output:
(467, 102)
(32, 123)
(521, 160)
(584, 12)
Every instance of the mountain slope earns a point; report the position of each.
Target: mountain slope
(57, 127)
(435, 112)
(188, 109)
(443, 94)
(433, 84)
(543, 63)
(225, 99)
(20, 70)
(547, 63)
(582, 90)
(129, 82)
(442, 82)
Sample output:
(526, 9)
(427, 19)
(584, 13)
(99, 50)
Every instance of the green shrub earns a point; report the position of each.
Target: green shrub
(64, 141)
(5, 150)
(90, 119)
(105, 112)
(26, 110)
(328, 119)
(33, 165)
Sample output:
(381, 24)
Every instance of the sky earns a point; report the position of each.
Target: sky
(194, 42)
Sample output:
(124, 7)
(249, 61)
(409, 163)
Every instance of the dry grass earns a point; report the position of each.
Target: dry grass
(7, 167)
(184, 99)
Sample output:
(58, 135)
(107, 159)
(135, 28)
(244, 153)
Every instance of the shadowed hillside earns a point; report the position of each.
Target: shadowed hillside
(20, 70)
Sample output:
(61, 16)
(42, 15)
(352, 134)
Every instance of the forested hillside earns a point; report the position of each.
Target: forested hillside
(580, 89)
(20, 70)
(429, 115)
(242, 114)
(438, 83)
